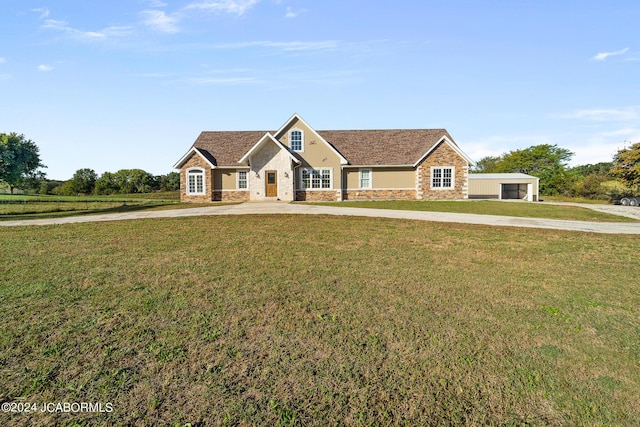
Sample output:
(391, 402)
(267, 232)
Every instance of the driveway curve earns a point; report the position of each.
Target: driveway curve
(294, 208)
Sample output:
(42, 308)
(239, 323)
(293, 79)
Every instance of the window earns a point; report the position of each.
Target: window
(242, 180)
(315, 178)
(195, 181)
(296, 140)
(365, 178)
(442, 178)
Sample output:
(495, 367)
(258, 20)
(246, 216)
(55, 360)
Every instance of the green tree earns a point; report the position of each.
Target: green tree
(545, 161)
(19, 160)
(106, 184)
(169, 182)
(486, 164)
(133, 181)
(84, 181)
(626, 165)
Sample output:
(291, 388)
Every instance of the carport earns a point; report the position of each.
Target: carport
(503, 186)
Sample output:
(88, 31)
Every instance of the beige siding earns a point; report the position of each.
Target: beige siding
(316, 154)
(383, 178)
(226, 179)
(491, 187)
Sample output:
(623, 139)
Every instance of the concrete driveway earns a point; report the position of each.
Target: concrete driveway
(304, 209)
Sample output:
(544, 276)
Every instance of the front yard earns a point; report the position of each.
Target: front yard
(314, 320)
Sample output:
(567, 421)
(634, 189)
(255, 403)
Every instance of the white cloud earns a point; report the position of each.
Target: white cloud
(605, 115)
(106, 33)
(604, 55)
(223, 80)
(2, 60)
(44, 68)
(157, 3)
(5, 76)
(237, 7)
(290, 13)
(43, 11)
(287, 46)
(160, 21)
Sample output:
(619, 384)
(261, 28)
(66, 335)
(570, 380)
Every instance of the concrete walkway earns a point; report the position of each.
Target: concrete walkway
(294, 208)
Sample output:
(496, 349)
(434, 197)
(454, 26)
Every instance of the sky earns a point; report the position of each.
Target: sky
(125, 84)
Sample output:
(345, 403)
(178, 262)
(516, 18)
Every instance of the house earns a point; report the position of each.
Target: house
(297, 162)
(503, 186)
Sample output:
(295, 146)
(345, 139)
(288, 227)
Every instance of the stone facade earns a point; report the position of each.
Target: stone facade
(442, 156)
(271, 157)
(231, 196)
(379, 194)
(196, 161)
(317, 196)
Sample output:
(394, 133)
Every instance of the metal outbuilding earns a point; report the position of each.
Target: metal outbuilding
(503, 186)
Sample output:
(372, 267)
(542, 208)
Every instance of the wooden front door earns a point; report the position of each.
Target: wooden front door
(272, 184)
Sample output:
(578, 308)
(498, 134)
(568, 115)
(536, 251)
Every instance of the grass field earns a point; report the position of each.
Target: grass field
(487, 207)
(313, 320)
(14, 207)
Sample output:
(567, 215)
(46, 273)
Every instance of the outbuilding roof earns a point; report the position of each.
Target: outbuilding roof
(501, 176)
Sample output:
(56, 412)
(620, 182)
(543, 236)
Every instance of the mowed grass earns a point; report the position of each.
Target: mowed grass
(18, 207)
(487, 207)
(314, 320)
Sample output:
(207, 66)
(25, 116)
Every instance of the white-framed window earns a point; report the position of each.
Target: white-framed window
(195, 181)
(365, 178)
(442, 178)
(296, 139)
(243, 182)
(316, 178)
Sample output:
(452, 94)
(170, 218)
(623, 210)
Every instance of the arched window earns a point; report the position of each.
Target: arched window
(195, 181)
(297, 140)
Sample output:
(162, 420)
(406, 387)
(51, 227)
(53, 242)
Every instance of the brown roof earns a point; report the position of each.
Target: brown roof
(359, 147)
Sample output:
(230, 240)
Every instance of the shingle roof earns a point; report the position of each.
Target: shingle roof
(384, 147)
(359, 147)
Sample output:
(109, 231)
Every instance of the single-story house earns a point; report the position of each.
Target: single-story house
(297, 162)
(503, 186)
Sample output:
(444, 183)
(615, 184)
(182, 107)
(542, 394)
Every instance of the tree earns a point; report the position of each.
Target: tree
(84, 181)
(485, 165)
(106, 184)
(545, 161)
(169, 182)
(19, 159)
(626, 165)
(133, 181)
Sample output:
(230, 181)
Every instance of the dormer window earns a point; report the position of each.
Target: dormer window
(296, 138)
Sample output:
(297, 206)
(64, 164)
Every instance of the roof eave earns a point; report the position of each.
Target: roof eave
(186, 157)
(267, 136)
(343, 160)
(451, 144)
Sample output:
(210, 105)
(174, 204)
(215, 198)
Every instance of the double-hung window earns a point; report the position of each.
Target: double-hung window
(297, 143)
(365, 178)
(315, 178)
(243, 183)
(195, 181)
(442, 178)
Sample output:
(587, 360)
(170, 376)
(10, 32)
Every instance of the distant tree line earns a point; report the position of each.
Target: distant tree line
(124, 181)
(20, 168)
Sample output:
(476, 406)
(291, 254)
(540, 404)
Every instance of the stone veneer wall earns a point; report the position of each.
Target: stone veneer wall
(444, 156)
(195, 161)
(318, 196)
(231, 196)
(379, 194)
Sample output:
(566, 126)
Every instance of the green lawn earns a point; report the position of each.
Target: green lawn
(37, 207)
(318, 320)
(487, 207)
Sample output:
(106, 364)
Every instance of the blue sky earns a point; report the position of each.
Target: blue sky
(121, 84)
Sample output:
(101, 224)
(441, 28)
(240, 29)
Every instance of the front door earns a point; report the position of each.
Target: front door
(272, 184)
